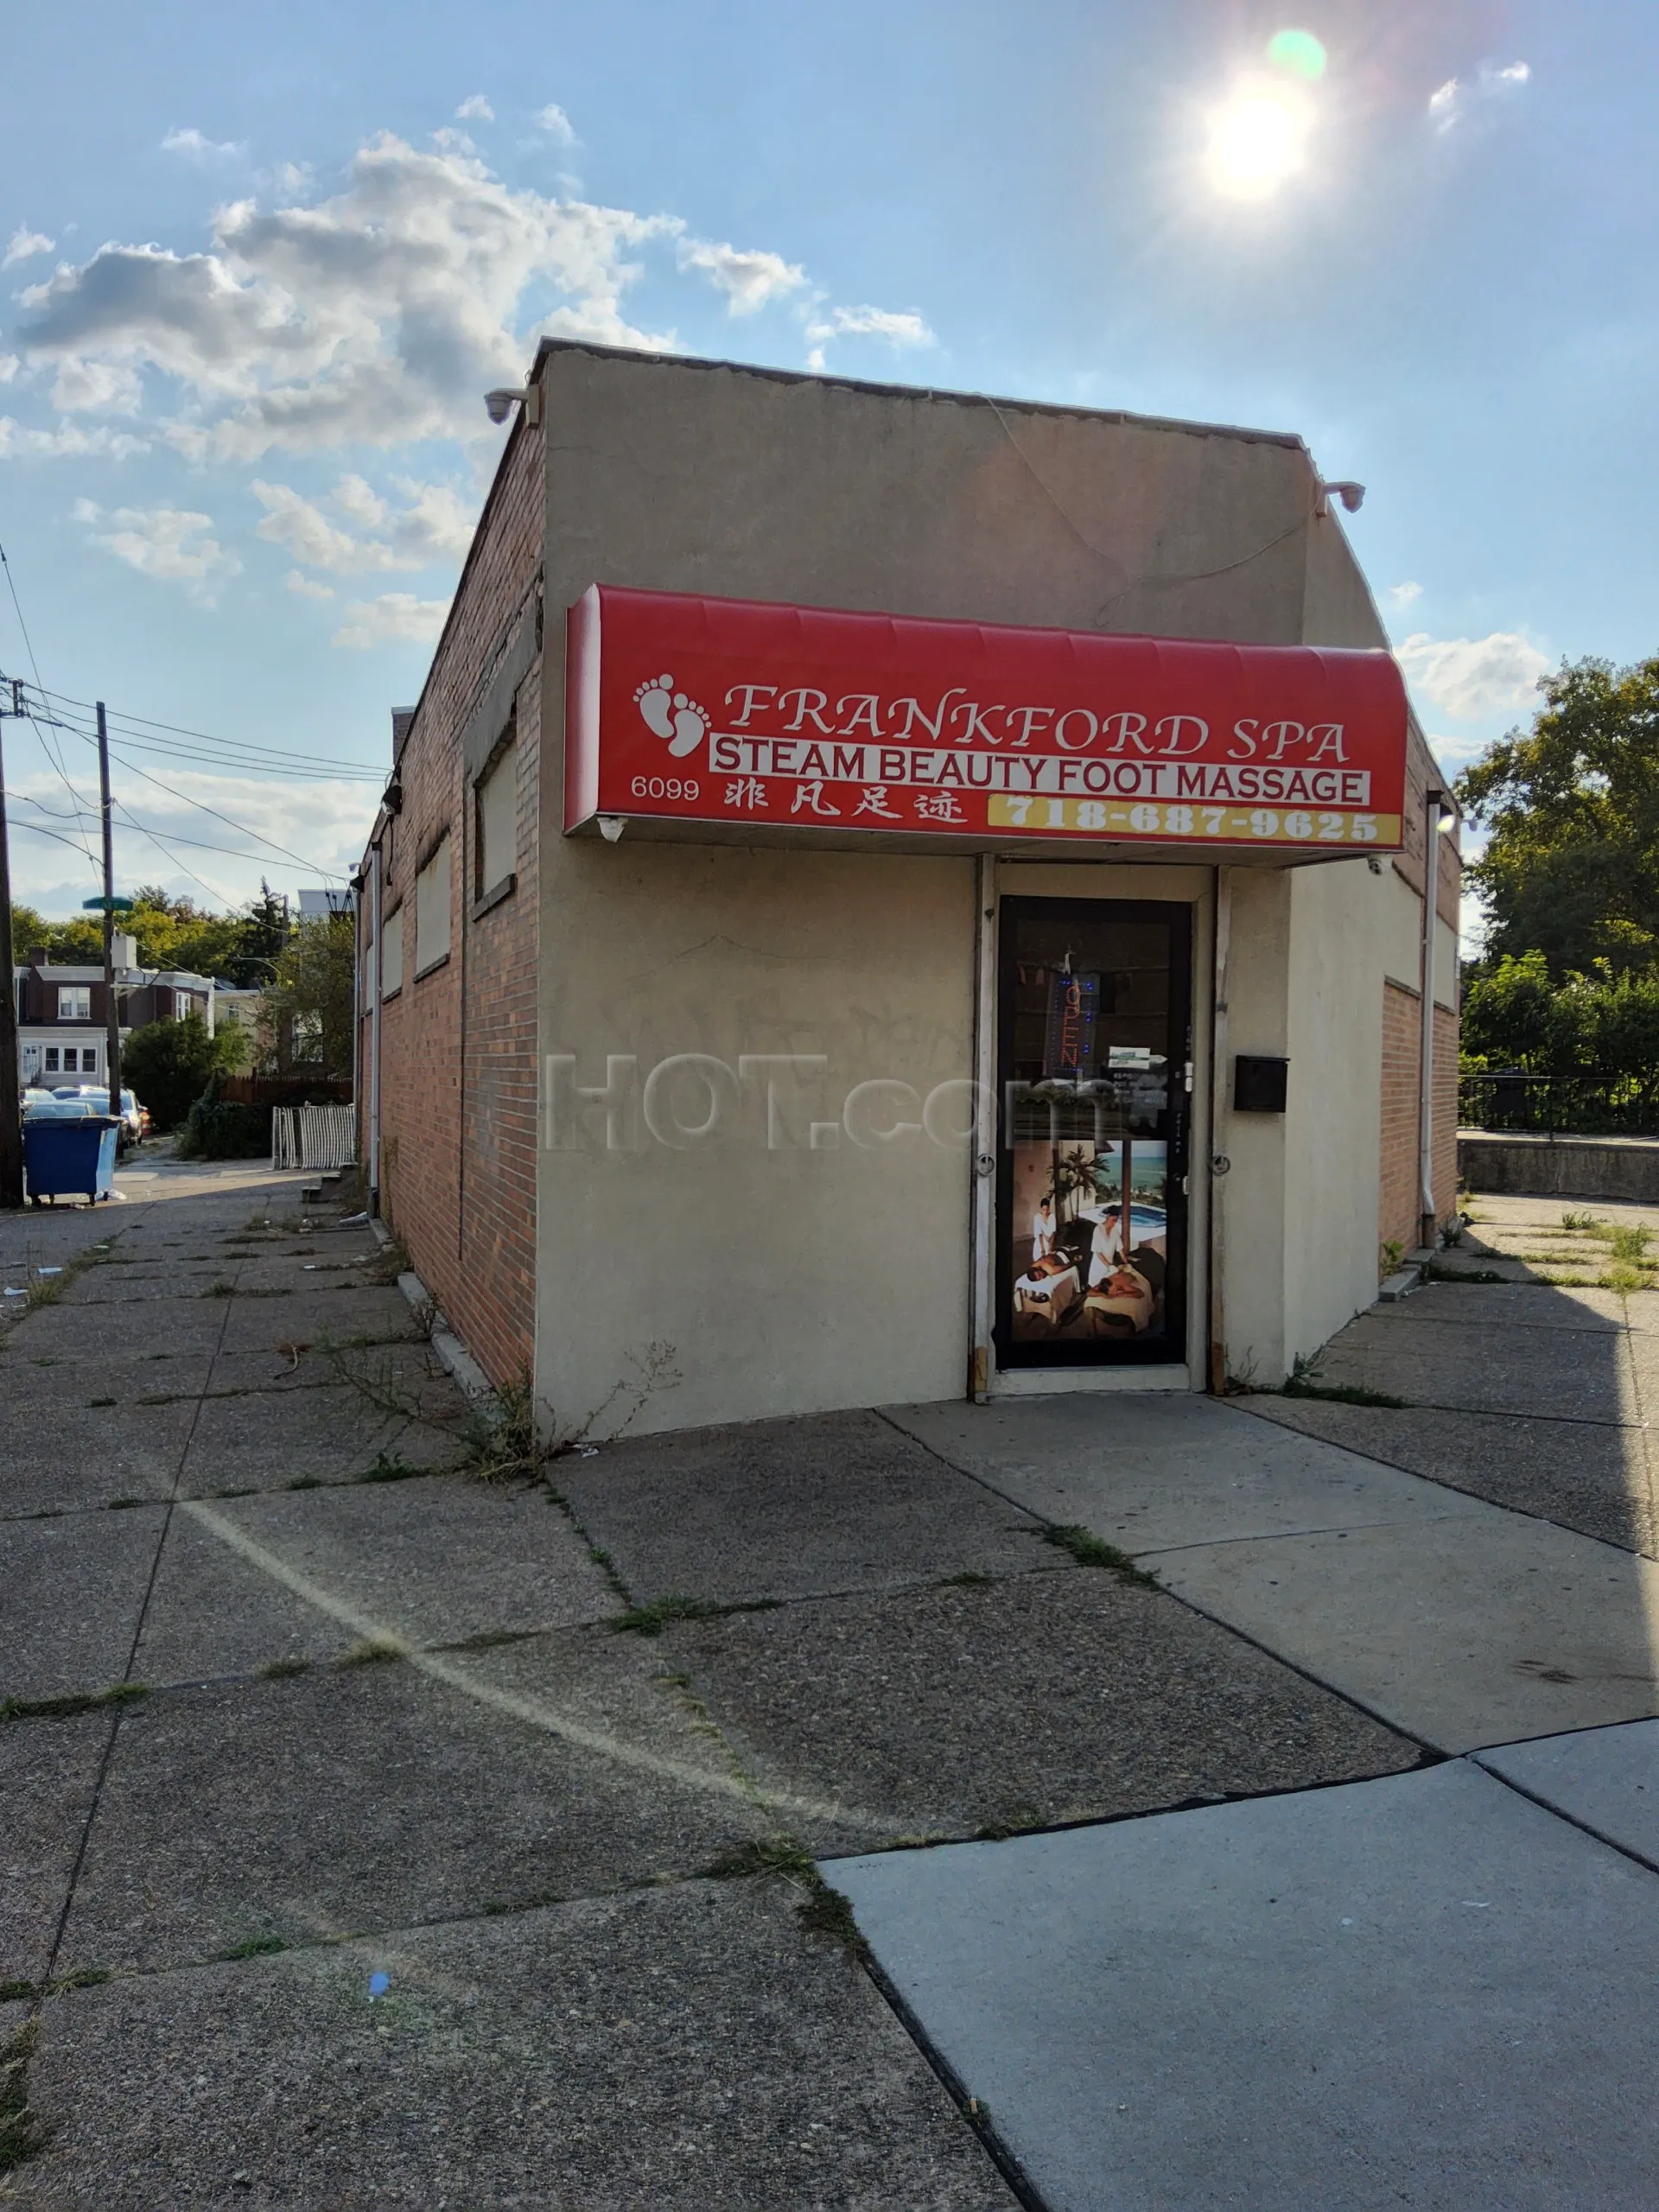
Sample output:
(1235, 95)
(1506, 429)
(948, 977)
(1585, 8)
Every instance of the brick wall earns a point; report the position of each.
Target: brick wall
(459, 1044)
(1401, 1033)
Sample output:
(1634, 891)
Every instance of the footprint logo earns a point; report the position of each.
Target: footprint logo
(668, 713)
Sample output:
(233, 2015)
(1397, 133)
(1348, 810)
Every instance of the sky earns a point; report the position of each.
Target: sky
(260, 266)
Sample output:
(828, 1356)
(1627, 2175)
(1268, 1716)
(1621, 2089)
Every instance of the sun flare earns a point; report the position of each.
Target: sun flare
(1257, 140)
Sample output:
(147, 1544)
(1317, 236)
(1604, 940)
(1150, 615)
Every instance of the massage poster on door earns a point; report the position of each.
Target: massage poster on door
(1090, 1241)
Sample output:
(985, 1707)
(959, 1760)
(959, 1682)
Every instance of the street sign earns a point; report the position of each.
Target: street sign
(110, 906)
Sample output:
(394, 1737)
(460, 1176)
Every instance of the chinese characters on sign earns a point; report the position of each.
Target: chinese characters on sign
(707, 711)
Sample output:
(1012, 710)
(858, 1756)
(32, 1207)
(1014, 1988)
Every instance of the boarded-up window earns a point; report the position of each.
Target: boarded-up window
(391, 953)
(498, 821)
(432, 911)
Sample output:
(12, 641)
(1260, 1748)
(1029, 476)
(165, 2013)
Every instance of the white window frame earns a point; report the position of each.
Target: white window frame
(74, 1001)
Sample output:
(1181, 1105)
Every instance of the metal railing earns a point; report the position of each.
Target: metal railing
(313, 1136)
(1559, 1105)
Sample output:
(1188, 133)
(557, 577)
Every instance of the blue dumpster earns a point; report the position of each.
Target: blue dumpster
(70, 1159)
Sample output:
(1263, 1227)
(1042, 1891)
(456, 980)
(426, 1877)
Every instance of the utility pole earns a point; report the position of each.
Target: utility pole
(11, 1112)
(112, 1016)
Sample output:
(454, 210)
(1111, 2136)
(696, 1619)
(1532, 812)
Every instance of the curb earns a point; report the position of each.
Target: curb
(475, 1385)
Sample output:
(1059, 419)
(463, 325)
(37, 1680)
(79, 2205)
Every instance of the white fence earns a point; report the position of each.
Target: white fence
(313, 1136)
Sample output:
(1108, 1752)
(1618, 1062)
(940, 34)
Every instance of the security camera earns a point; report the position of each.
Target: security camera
(501, 402)
(1352, 496)
(611, 827)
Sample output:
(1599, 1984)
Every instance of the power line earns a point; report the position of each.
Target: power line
(139, 722)
(52, 753)
(172, 837)
(40, 830)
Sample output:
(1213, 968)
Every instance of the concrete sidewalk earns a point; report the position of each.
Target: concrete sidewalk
(379, 1834)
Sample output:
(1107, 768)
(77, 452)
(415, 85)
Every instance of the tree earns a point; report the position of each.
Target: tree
(266, 929)
(167, 1064)
(1571, 867)
(177, 933)
(29, 932)
(309, 1004)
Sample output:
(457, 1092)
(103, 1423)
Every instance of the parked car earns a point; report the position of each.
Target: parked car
(73, 1098)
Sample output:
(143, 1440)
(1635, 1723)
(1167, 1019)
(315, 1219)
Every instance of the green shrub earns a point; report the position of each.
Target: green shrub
(167, 1064)
(214, 1128)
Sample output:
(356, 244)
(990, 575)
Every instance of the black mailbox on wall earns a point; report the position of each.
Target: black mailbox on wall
(1259, 1084)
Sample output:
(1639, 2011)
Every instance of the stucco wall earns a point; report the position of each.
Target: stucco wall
(796, 1277)
(793, 1278)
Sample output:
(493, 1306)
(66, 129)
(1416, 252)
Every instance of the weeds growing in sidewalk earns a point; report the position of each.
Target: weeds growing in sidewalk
(70, 1701)
(1090, 1550)
(256, 1946)
(1338, 1394)
(374, 1651)
(651, 1619)
(823, 1912)
(21, 2135)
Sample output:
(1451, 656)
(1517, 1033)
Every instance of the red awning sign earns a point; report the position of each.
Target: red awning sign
(681, 708)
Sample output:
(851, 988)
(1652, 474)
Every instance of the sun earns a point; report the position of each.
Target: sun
(1257, 140)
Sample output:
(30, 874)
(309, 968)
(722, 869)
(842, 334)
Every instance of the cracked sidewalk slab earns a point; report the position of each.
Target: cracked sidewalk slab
(1040, 1699)
(691, 2049)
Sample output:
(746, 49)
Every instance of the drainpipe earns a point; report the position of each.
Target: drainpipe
(374, 1032)
(1434, 805)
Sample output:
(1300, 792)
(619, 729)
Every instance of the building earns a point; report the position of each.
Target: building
(62, 1012)
(836, 934)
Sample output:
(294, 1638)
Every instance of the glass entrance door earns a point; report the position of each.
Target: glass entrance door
(1094, 1052)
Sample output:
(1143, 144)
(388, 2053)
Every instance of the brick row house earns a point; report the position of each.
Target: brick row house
(63, 1013)
(889, 895)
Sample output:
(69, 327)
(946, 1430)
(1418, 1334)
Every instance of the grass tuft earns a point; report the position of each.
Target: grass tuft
(276, 1670)
(1339, 1394)
(1090, 1550)
(218, 1289)
(255, 1947)
(21, 2133)
(652, 1618)
(389, 1468)
(374, 1651)
(71, 1702)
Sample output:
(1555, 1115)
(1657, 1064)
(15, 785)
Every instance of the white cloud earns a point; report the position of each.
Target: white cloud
(196, 148)
(1451, 102)
(1470, 677)
(434, 525)
(25, 244)
(396, 618)
(377, 316)
(68, 439)
(475, 108)
(870, 322)
(1403, 595)
(307, 586)
(168, 543)
(97, 387)
(557, 125)
(748, 278)
(326, 822)
(293, 178)
(10, 365)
